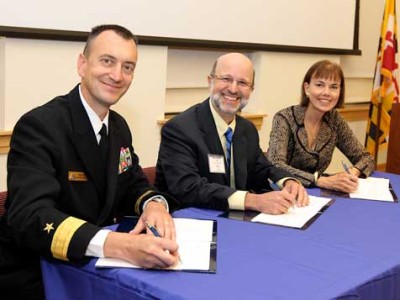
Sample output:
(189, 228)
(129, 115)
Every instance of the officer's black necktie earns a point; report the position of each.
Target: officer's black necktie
(103, 145)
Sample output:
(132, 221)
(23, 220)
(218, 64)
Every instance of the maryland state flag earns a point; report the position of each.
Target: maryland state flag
(385, 90)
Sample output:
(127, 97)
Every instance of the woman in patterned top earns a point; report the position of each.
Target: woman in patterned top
(304, 136)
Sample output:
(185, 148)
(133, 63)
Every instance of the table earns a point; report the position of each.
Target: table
(352, 251)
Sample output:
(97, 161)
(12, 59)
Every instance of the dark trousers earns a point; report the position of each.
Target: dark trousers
(24, 282)
(20, 272)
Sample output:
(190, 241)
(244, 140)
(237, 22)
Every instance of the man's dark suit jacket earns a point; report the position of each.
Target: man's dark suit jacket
(56, 202)
(183, 165)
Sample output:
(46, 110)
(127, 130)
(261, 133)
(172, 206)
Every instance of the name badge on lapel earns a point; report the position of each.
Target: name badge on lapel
(216, 163)
(125, 160)
(76, 176)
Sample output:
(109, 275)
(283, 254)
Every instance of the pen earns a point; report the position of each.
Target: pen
(153, 230)
(345, 167)
(157, 234)
(275, 187)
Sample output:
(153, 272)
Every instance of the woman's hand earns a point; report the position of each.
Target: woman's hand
(343, 182)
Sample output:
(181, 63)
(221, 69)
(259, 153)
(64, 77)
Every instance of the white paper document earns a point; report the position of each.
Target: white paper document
(194, 237)
(295, 217)
(373, 188)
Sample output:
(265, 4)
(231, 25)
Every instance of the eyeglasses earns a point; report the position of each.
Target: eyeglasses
(228, 80)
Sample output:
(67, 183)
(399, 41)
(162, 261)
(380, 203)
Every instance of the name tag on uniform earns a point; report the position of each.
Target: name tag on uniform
(76, 176)
(216, 163)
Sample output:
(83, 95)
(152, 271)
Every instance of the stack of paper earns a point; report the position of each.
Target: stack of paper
(373, 188)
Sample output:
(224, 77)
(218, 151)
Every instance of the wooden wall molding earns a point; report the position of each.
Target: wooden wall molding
(355, 112)
(256, 119)
(5, 137)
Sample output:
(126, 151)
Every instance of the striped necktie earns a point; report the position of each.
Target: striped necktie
(228, 135)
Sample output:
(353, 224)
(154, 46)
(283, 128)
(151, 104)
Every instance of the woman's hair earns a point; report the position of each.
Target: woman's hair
(327, 70)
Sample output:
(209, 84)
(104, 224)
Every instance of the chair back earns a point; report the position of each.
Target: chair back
(3, 197)
(150, 173)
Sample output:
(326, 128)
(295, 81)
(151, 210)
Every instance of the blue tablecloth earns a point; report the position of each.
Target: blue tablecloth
(352, 251)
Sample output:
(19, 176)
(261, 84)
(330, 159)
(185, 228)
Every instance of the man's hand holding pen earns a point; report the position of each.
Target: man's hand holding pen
(156, 221)
(297, 190)
(155, 232)
(156, 214)
(278, 202)
(147, 250)
(143, 250)
(275, 187)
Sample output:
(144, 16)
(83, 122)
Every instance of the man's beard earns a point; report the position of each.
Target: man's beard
(216, 99)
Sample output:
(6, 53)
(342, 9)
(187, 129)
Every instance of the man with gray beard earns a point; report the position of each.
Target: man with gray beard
(210, 157)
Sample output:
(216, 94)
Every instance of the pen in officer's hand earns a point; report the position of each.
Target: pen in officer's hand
(275, 187)
(157, 234)
(153, 230)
